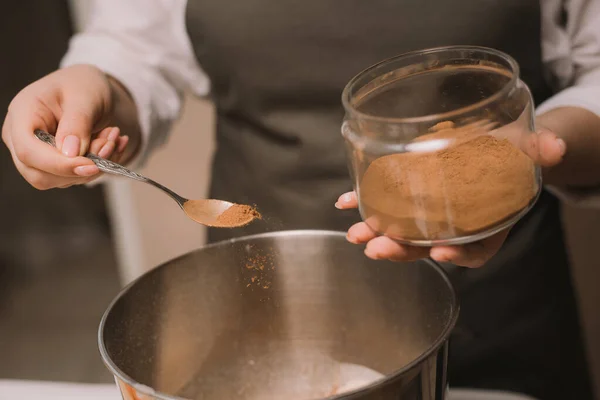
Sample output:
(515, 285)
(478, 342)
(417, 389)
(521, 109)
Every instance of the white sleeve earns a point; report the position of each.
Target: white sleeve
(572, 54)
(144, 45)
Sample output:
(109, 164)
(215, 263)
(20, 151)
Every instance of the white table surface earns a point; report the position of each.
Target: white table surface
(34, 390)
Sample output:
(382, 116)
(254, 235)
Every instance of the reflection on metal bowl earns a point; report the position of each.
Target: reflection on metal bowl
(295, 315)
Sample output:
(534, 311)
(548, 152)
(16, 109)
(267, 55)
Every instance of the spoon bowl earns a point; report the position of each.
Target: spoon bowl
(219, 213)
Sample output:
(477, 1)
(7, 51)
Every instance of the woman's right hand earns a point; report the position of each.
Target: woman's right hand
(76, 104)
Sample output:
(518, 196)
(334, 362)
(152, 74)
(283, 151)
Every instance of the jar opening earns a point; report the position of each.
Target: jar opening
(430, 85)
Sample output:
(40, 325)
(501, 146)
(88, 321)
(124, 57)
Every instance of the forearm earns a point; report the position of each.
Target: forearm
(125, 116)
(580, 129)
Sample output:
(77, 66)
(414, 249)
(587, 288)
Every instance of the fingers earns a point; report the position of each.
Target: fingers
(360, 233)
(97, 144)
(36, 154)
(40, 164)
(551, 148)
(109, 145)
(545, 148)
(42, 180)
(74, 131)
(107, 150)
(472, 255)
(103, 148)
(33, 153)
(347, 201)
(382, 247)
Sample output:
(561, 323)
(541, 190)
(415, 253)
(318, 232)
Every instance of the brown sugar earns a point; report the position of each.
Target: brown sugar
(260, 265)
(470, 185)
(237, 215)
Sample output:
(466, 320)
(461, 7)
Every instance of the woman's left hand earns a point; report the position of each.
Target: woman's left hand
(545, 148)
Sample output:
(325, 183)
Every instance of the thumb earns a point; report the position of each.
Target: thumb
(552, 148)
(545, 148)
(74, 131)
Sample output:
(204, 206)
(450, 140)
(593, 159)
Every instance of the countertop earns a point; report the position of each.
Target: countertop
(36, 390)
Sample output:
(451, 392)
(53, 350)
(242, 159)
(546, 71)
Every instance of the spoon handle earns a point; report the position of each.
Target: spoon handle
(110, 167)
(102, 164)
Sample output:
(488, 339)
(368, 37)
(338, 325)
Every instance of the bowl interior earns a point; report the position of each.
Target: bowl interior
(296, 315)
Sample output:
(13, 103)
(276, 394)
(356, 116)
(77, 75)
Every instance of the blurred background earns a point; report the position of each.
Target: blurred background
(64, 254)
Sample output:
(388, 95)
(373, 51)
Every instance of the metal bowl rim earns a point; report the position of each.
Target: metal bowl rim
(148, 391)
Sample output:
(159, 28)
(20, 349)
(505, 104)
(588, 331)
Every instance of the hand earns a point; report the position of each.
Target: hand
(545, 148)
(76, 103)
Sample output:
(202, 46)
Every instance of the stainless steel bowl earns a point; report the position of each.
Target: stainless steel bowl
(288, 315)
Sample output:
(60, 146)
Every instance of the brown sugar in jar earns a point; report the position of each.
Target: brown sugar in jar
(476, 183)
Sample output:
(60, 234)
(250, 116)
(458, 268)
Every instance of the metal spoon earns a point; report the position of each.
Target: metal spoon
(209, 212)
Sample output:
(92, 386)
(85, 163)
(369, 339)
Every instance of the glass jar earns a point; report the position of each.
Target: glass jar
(441, 145)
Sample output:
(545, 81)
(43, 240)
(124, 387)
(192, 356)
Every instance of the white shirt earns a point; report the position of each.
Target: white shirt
(144, 44)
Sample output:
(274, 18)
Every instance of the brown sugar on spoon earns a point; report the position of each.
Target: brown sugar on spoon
(238, 215)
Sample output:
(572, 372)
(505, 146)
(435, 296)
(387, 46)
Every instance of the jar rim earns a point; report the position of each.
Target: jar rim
(512, 69)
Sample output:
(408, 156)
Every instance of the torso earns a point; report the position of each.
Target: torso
(278, 69)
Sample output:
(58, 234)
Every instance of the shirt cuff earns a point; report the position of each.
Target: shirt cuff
(587, 97)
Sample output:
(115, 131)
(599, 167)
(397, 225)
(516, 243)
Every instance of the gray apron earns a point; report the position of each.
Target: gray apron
(278, 69)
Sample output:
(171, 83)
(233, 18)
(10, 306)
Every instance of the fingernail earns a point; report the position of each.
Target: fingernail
(114, 134)
(70, 146)
(562, 146)
(338, 206)
(86, 170)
